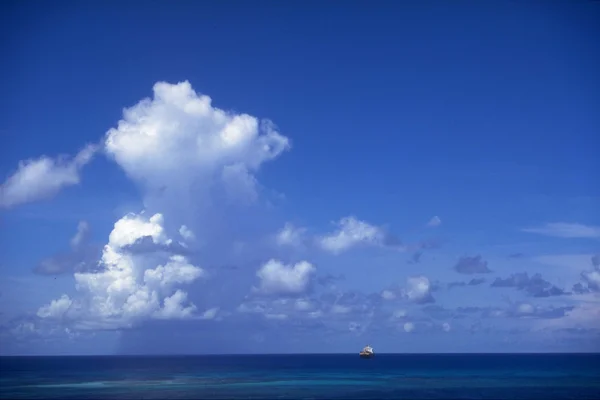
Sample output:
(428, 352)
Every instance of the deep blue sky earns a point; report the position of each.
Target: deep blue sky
(484, 114)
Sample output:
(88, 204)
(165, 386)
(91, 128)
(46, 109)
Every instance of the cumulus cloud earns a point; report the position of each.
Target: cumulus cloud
(197, 164)
(131, 228)
(178, 135)
(566, 230)
(278, 278)
(353, 232)
(43, 178)
(196, 168)
(56, 309)
(131, 287)
(535, 285)
(408, 327)
(472, 265)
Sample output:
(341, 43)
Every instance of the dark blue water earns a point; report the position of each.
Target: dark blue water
(550, 376)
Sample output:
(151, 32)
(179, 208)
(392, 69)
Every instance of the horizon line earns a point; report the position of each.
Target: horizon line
(307, 354)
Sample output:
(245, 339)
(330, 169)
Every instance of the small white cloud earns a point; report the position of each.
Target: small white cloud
(566, 230)
(525, 309)
(399, 314)
(352, 232)
(276, 277)
(211, 313)
(592, 278)
(56, 309)
(186, 233)
(43, 178)
(446, 327)
(409, 327)
(435, 221)
(175, 271)
(290, 235)
(418, 289)
(131, 228)
(388, 295)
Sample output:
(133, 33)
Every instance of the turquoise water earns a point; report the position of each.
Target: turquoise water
(507, 376)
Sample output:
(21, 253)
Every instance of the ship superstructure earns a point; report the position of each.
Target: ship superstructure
(367, 352)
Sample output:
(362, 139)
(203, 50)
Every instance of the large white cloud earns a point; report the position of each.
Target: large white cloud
(179, 135)
(43, 178)
(131, 286)
(195, 166)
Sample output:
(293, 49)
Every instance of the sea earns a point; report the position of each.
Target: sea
(324, 376)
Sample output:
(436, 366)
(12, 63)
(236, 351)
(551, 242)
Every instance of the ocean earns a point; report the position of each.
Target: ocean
(386, 376)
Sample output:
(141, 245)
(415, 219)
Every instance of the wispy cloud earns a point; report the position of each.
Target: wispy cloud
(566, 230)
(43, 178)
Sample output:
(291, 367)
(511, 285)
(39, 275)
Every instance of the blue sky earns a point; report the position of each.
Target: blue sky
(292, 176)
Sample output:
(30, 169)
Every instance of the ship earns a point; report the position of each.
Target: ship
(366, 352)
